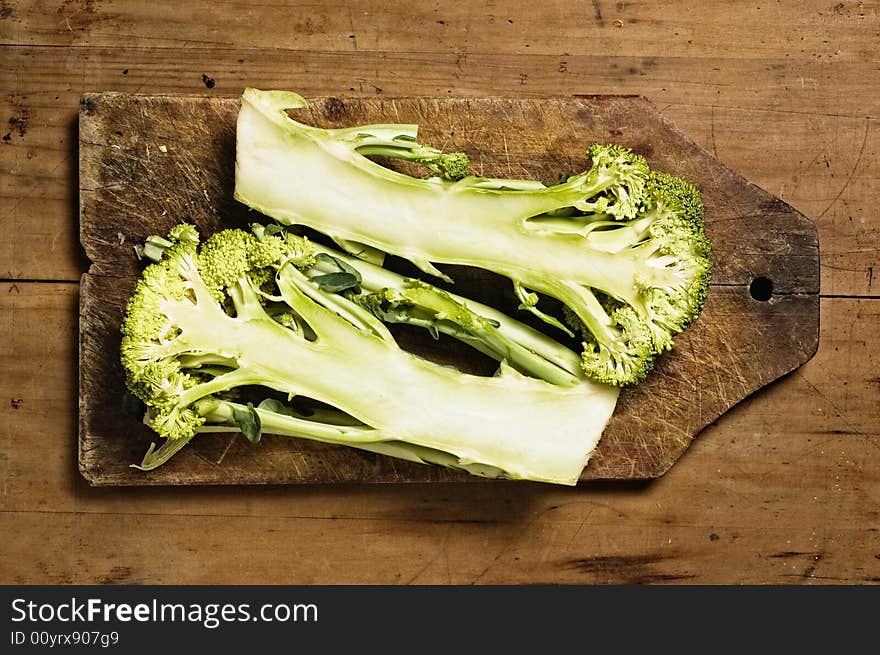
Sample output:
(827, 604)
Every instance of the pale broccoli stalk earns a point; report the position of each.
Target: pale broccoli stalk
(394, 298)
(197, 328)
(420, 304)
(304, 175)
(396, 141)
(538, 236)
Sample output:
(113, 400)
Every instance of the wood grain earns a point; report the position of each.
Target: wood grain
(818, 117)
(148, 162)
(784, 489)
(781, 489)
(503, 27)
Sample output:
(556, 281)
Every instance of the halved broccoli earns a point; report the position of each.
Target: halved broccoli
(275, 311)
(621, 247)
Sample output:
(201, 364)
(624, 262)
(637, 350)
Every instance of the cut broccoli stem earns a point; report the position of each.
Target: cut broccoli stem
(498, 184)
(399, 141)
(221, 419)
(618, 228)
(529, 302)
(222, 414)
(621, 236)
(375, 278)
(420, 304)
(593, 316)
(362, 251)
(485, 423)
(155, 457)
(452, 166)
(319, 414)
(355, 314)
(608, 236)
(356, 199)
(152, 248)
(199, 361)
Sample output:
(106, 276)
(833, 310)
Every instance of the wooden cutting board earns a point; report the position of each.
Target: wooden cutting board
(149, 162)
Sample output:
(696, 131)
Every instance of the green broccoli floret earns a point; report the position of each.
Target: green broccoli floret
(623, 334)
(615, 230)
(621, 175)
(203, 323)
(449, 165)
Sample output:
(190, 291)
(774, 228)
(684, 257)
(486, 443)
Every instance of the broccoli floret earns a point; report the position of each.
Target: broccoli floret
(202, 324)
(617, 229)
(621, 175)
(449, 165)
(623, 334)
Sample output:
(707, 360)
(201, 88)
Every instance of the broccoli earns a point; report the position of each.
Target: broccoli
(622, 247)
(399, 142)
(272, 312)
(623, 333)
(394, 298)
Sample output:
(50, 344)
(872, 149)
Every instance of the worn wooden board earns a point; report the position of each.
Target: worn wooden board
(147, 162)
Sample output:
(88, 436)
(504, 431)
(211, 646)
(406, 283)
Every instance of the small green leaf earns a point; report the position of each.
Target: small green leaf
(347, 268)
(272, 229)
(336, 282)
(340, 265)
(327, 259)
(248, 421)
(272, 405)
(278, 407)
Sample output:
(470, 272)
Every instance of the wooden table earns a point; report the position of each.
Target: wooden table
(785, 488)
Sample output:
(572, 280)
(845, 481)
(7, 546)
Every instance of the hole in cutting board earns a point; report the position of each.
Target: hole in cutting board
(761, 289)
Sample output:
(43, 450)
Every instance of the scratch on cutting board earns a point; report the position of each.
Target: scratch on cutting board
(231, 441)
(396, 113)
(352, 36)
